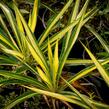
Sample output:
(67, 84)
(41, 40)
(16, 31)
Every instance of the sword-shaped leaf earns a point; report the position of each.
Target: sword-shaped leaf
(20, 99)
(72, 40)
(11, 19)
(53, 22)
(55, 62)
(25, 79)
(36, 57)
(100, 68)
(31, 38)
(102, 41)
(56, 95)
(33, 16)
(7, 31)
(43, 76)
(13, 52)
(50, 56)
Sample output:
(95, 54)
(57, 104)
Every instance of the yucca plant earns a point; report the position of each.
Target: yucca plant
(39, 55)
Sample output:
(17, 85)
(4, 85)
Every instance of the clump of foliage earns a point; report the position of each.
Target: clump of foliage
(37, 63)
